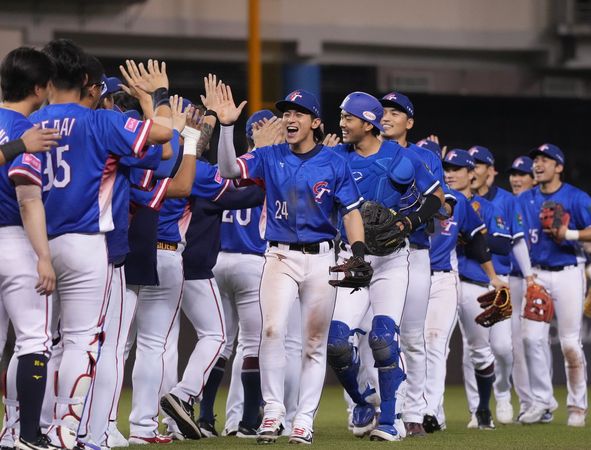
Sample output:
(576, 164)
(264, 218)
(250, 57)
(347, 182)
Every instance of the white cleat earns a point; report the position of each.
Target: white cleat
(115, 438)
(473, 424)
(504, 412)
(534, 414)
(576, 417)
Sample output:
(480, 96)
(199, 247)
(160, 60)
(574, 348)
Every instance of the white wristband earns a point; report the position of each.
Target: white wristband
(189, 132)
(190, 147)
(571, 235)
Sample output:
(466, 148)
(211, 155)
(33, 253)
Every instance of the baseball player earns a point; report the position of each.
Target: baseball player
(476, 273)
(397, 121)
(304, 184)
(27, 278)
(554, 257)
(79, 176)
(376, 167)
(483, 184)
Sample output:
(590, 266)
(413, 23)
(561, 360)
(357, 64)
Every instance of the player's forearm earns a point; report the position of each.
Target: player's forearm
(499, 245)
(489, 270)
(207, 127)
(578, 235)
(477, 249)
(229, 168)
(427, 210)
(522, 256)
(11, 150)
(32, 214)
(353, 224)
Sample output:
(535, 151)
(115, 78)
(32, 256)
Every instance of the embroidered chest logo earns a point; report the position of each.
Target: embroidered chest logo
(319, 189)
(446, 226)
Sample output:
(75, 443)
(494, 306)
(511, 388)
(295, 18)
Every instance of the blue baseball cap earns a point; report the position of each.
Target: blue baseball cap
(482, 155)
(111, 85)
(430, 145)
(459, 158)
(522, 164)
(300, 99)
(256, 117)
(399, 101)
(186, 103)
(549, 150)
(364, 106)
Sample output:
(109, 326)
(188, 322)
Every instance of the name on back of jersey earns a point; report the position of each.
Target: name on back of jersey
(64, 125)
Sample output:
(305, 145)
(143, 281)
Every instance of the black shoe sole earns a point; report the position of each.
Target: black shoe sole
(186, 426)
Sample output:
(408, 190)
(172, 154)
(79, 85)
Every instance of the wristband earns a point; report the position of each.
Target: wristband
(211, 112)
(12, 149)
(190, 132)
(190, 147)
(160, 97)
(358, 249)
(571, 235)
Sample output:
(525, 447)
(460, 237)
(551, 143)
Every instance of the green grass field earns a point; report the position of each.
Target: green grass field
(331, 429)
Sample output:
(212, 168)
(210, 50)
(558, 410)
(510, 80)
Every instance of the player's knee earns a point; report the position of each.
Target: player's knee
(502, 350)
(339, 350)
(270, 331)
(572, 351)
(90, 344)
(383, 341)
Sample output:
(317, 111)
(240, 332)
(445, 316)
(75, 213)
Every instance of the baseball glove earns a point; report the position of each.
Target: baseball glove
(357, 271)
(497, 307)
(538, 304)
(383, 235)
(553, 216)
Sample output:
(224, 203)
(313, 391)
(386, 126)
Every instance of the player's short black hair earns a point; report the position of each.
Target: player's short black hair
(69, 62)
(375, 131)
(94, 72)
(126, 102)
(23, 69)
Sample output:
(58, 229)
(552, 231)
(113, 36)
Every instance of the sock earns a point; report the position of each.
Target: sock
(210, 391)
(251, 383)
(484, 380)
(31, 376)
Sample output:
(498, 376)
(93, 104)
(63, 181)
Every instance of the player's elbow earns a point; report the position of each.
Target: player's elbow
(178, 191)
(159, 134)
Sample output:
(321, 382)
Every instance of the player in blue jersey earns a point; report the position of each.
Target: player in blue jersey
(398, 120)
(554, 258)
(501, 337)
(383, 174)
(78, 181)
(306, 184)
(477, 272)
(27, 278)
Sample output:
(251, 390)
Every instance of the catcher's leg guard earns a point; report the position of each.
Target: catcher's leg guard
(344, 359)
(68, 424)
(383, 340)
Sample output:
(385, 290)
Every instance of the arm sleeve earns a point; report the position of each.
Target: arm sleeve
(427, 210)
(522, 256)
(499, 245)
(477, 249)
(229, 166)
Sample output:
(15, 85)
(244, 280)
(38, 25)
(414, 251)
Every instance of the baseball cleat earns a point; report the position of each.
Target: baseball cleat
(207, 429)
(245, 432)
(430, 424)
(473, 424)
(484, 418)
(269, 431)
(158, 439)
(364, 419)
(576, 417)
(230, 432)
(384, 433)
(504, 412)
(547, 417)
(39, 444)
(301, 435)
(183, 415)
(533, 414)
(414, 429)
(114, 437)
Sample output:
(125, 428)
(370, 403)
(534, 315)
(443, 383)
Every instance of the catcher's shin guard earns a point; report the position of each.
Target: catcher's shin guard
(384, 343)
(344, 359)
(67, 427)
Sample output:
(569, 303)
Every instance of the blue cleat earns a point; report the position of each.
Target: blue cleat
(384, 433)
(363, 419)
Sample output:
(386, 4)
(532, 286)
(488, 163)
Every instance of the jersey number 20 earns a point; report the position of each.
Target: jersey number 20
(60, 162)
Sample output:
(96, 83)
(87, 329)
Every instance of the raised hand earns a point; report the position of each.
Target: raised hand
(179, 117)
(267, 132)
(225, 108)
(194, 117)
(210, 99)
(155, 77)
(331, 140)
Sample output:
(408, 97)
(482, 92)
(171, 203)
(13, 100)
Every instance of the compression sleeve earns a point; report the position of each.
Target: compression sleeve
(477, 249)
(227, 164)
(522, 256)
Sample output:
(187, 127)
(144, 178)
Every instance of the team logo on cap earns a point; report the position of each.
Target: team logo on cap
(369, 115)
(450, 155)
(294, 96)
(472, 151)
(319, 189)
(518, 162)
(543, 147)
(391, 97)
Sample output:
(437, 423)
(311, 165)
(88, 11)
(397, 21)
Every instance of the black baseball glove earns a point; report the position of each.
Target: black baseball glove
(385, 231)
(357, 271)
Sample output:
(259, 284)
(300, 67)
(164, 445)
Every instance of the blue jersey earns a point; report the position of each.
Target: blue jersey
(80, 172)
(492, 217)
(464, 222)
(433, 164)
(241, 231)
(543, 250)
(175, 213)
(303, 193)
(12, 126)
(513, 221)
